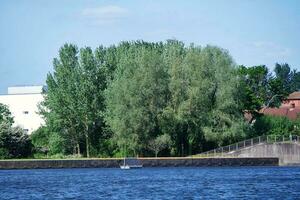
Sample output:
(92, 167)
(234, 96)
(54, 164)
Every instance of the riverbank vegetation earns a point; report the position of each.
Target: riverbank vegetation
(14, 142)
(165, 99)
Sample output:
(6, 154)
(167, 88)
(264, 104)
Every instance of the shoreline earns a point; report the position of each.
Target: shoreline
(146, 162)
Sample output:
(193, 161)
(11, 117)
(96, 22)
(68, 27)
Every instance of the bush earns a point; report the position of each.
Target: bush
(14, 142)
(4, 153)
(56, 144)
(275, 125)
(40, 138)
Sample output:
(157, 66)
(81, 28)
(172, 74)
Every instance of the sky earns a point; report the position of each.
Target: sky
(255, 32)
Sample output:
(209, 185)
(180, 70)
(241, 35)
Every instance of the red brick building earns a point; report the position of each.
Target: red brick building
(289, 108)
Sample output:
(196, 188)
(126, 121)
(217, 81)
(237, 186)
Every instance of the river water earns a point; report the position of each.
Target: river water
(152, 183)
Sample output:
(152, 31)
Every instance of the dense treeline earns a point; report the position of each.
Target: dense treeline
(141, 98)
(130, 98)
(123, 98)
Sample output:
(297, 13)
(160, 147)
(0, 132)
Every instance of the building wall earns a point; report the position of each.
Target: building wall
(24, 108)
(289, 103)
(25, 89)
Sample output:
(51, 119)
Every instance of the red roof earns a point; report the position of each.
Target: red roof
(294, 95)
(290, 113)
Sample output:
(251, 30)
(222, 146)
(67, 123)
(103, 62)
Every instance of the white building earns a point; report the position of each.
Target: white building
(22, 102)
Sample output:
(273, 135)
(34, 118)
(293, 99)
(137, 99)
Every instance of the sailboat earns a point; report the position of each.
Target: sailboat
(131, 163)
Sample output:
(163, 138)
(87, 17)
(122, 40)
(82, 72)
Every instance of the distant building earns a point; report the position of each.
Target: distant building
(292, 101)
(22, 102)
(289, 108)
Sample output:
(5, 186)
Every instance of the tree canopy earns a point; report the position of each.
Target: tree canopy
(168, 88)
(135, 97)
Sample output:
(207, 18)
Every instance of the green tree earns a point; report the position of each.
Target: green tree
(14, 142)
(255, 87)
(188, 93)
(287, 80)
(61, 101)
(73, 106)
(136, 97)
(40, 140)
(262, 88)
(159, 143)
(5, 114)
(92, 82)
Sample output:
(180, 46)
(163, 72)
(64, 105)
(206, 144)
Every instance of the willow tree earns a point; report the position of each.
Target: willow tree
(168, 88)
(202, 106)
(136, 96)
(225, 121)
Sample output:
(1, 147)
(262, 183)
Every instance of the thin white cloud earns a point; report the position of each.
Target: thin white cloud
(272, 49)
(105, 14)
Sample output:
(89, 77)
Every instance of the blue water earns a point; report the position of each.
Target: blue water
(152, 183)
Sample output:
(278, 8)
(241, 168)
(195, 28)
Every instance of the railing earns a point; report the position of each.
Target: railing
(227, 151)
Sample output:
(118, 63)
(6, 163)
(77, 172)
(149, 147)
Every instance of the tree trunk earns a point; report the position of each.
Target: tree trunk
(87, 140)
(78, 149)
(87, 145)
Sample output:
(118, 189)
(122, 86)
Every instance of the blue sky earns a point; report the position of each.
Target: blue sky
(254, 31)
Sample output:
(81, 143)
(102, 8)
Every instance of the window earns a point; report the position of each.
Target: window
(25, 112)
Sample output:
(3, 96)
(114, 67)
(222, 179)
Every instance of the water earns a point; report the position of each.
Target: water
(152, 183)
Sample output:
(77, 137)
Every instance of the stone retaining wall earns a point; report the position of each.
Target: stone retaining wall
(147, 162)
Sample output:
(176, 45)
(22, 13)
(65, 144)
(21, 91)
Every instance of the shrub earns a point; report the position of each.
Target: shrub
(14, 142)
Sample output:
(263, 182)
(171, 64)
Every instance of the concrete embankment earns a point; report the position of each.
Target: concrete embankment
(288, 153)
(147, 162)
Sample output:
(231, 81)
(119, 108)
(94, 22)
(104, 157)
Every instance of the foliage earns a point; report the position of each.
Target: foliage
(73, 105)
(136, 96)
(14, 142)
(5, 114)
(159, 143)
(126, 99)
(185, 92)
(276, 125)
(56, 143)
(264, 89)
(288, 79)
(40, 139)
(255, 87)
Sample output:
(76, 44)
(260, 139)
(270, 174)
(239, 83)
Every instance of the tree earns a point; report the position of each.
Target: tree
(90, 92)
(202, 106)
(159, 143)
(289, 80)
(136, 97)
(61, 101)
(40, 139)
(254, 84)
(74, 103)
(188, 93)
(5, 114)
(14, 142)
(262, 88)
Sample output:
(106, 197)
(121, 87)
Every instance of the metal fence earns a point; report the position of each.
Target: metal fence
(266, 139)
